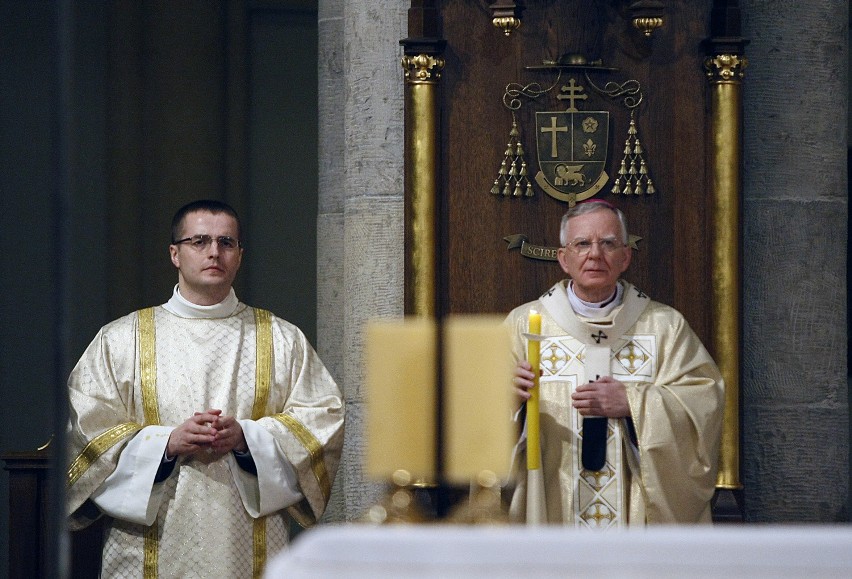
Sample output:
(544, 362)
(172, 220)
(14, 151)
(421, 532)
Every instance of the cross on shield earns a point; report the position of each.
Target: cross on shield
(572, 152)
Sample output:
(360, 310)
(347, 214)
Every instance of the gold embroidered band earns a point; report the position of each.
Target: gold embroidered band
(314, 448)
(259, 547)
(97, 446)
(148, 363)
(262, 377)
(148, 373)
(152, 552)
(263, 364)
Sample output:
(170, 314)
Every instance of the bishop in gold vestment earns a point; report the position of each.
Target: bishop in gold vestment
(663, 473)
(615, 364)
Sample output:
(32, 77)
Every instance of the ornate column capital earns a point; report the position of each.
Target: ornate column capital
(725, 67)
(422, 68)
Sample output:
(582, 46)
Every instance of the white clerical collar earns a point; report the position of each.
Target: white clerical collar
(595, 310)
(184, 308)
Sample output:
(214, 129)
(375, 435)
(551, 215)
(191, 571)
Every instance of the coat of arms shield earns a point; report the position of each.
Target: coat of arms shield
(572, 152)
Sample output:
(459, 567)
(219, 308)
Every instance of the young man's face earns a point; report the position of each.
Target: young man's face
(206, 271)
(595, 273)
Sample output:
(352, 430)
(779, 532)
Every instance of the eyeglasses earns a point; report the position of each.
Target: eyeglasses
(202, 242)
(584, 246)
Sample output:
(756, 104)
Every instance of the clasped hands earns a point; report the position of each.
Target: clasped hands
(207, 430)
(605, 396)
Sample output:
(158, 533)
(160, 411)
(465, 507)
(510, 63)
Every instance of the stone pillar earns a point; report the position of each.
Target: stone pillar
(330, 343)
(795, 402)
(360, 223)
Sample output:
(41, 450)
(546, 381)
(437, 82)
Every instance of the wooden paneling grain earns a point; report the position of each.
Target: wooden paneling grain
(672, 263)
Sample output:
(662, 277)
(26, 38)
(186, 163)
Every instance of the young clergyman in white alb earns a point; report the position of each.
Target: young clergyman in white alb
(199, 426)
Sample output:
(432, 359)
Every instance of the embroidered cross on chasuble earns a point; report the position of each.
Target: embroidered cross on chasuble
(587, 351)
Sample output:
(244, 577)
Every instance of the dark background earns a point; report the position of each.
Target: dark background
(170, 100)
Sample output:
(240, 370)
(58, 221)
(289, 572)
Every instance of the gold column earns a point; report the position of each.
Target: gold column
(422, 182)
(725, 73)
(423, 65)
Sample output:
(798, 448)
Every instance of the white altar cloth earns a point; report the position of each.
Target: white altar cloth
(447, 551)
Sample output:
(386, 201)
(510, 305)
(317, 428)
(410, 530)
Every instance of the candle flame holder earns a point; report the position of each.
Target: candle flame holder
(399, 506)
(485, 504)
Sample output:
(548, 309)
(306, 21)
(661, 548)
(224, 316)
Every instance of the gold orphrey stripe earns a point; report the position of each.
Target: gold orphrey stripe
(152, 551)
(148, 373)
(263, 365)
(259, 547)
(148, 363)
(97, 446)
(314, 448)
(262, 377)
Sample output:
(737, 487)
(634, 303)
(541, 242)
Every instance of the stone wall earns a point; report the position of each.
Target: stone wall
(795, 401)
(361, 221)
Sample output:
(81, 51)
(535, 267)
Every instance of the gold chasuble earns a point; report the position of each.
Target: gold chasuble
(148, 372)
(661, 462)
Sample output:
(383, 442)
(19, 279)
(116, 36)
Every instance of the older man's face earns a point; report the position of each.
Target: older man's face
(596, 272)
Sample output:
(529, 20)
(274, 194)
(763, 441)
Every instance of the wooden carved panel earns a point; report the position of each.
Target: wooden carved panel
(691, 130)
(673, 263)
